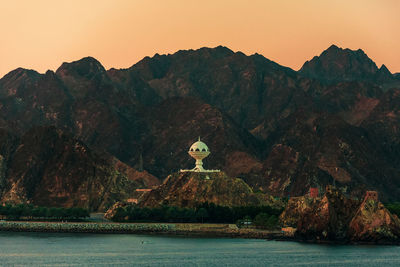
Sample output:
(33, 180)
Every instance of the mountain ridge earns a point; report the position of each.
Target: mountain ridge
(279, 130)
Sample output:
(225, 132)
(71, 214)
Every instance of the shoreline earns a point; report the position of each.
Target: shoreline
(167, 229)
(174, 229)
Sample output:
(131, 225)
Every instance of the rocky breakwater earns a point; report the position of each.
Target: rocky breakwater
(336, 218)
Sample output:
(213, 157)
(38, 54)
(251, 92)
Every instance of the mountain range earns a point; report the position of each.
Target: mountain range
(335, 121)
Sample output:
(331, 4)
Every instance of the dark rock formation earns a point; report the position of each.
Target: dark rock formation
(49, 168)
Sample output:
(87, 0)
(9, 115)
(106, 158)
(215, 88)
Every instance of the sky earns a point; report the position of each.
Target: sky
(42, 34)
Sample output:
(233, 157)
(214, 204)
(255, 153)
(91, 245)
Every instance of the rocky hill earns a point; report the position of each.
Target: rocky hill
(335, 217)
(333, 122)
(190, 189)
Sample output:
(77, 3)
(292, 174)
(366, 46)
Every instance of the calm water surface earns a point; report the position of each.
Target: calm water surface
(48, 249)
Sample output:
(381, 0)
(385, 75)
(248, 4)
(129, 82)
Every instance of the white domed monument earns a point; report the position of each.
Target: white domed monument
(199, 151)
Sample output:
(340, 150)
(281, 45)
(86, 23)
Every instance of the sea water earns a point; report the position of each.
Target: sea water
(55, 249)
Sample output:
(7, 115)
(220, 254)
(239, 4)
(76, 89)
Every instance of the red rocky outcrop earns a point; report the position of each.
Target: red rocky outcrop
(335, 217)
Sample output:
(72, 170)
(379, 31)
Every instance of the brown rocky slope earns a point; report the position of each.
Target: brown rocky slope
(335, 217)
(50, 168)
(189, 189)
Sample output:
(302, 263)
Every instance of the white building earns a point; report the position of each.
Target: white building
(199, 151)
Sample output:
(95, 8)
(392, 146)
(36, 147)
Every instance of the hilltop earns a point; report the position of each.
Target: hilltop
(190, 189)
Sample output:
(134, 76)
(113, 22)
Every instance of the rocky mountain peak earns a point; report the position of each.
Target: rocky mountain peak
(333, 47)
(86, 66)
(20, 73)
(18, 80)
(336, 64)
(385, 72)
(383, 68)
(85, 77)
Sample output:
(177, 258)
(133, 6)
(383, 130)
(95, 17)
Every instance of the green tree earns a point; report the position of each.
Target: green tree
(172, 214)
(83, 213)
(272, 222)
(51, 213)
(43, 211)
(202, 213)
(15, 212)
(36, 212)
(394, 208)
(261, 220)
(119, 216)
(189, 215)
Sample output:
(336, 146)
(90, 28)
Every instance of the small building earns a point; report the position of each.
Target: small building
(143, 190)
(313, 193)
(132, 200)
(288, 231)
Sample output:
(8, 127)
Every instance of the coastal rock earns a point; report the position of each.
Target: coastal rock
(295, 210)
(335, 217)
(329, 218)
(374, 223)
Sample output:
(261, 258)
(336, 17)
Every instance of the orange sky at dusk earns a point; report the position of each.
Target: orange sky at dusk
(42, 34)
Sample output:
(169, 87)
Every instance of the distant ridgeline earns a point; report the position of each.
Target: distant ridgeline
(88, 137)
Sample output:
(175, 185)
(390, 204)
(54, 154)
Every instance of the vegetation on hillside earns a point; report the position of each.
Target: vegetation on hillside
(394, 208)
(261, 216)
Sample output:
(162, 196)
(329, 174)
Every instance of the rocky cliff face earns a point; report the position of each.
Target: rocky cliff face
(335, 217)
(189, 189)
(282, 131)
(48, 167)
(374, 223)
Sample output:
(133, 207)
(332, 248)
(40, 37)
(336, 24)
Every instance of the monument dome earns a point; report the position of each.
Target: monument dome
(199, 146)
(199, 150)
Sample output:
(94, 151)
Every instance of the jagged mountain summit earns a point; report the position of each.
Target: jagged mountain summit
(281, 131)
(337, 64)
